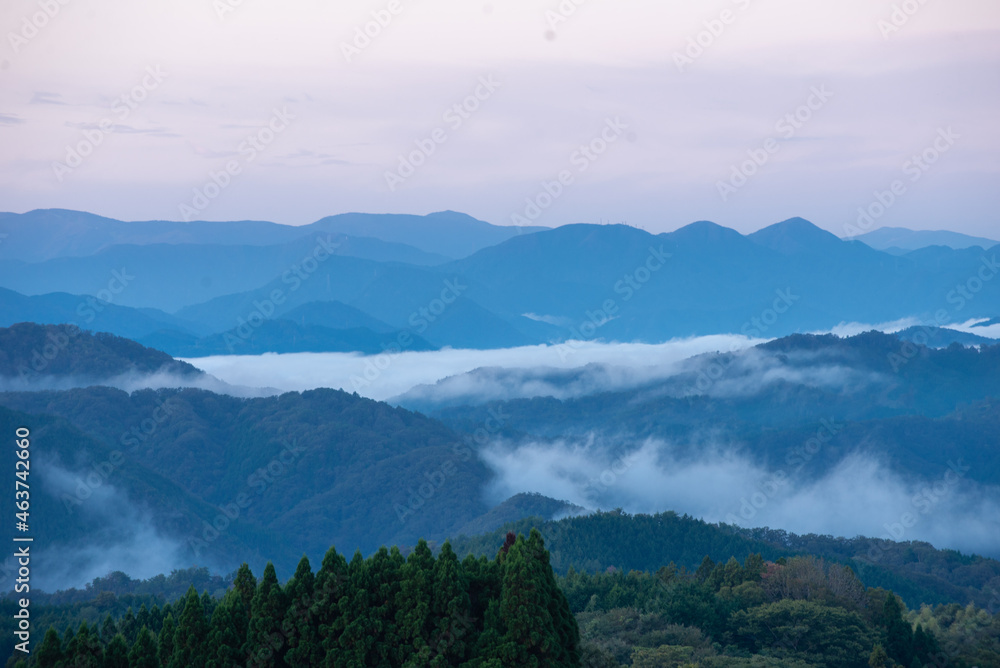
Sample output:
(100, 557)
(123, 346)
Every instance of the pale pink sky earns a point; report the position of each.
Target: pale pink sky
(223, 73)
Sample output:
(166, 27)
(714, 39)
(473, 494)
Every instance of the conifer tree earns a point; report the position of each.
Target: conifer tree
(246, 585)
(191, 634)
(530, 636)
(49, 653)
(128, 626)
(451, 611)
(265, 640)
(227, 635)
(84, 650)
(108, 629)
(165, 643)
(300, 625)
(330, 587)
(116, 653)
(414, 605)
(143, 651)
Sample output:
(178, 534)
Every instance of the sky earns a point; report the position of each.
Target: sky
(651, 112)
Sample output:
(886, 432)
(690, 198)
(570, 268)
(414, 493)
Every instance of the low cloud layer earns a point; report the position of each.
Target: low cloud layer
(121, 536)
(385, 376)
(860, 496)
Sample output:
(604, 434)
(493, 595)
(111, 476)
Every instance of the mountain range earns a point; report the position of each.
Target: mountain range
(449, 280)
(899, 240)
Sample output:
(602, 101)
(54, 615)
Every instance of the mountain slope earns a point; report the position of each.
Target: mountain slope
(171, 276)
(28, 349)
(90, 313)
(318, 468)
(285, 336)
(446, 233)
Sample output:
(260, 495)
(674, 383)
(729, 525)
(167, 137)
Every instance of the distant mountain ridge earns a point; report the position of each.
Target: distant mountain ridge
(519, 287)
(901, 239)
(45, 234)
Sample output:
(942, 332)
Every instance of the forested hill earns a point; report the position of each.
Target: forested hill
(916, 571)
(508, 609)
(300, 470)
(29, 351)
(386, 610)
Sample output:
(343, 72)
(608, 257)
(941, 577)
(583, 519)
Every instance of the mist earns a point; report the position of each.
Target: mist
(860, 496)
(385, 376)
(565, 370)
(113, 533)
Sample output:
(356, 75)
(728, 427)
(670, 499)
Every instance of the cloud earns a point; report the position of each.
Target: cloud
(10, 119)
(388, 375)
(861, 496)
(120, 128)
(41, 97)
(122, 537)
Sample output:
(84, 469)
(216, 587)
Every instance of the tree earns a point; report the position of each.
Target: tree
(530, 637)
(191, 634)
(330, 587)
(166, 640)
(414, 621)
(128, 626)
(450, 611)
(300, 625)
(359, 628)
(245, 585)
(705, 569)
(143, 652)
(108, 629)
(227, 633)
(50, 651)
(878, 658)
(116, 653)
(265, 641)
(898, 632)
(84, 650)
(803, 630)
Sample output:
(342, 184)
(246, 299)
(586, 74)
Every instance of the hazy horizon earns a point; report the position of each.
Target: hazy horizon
(829, 103)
